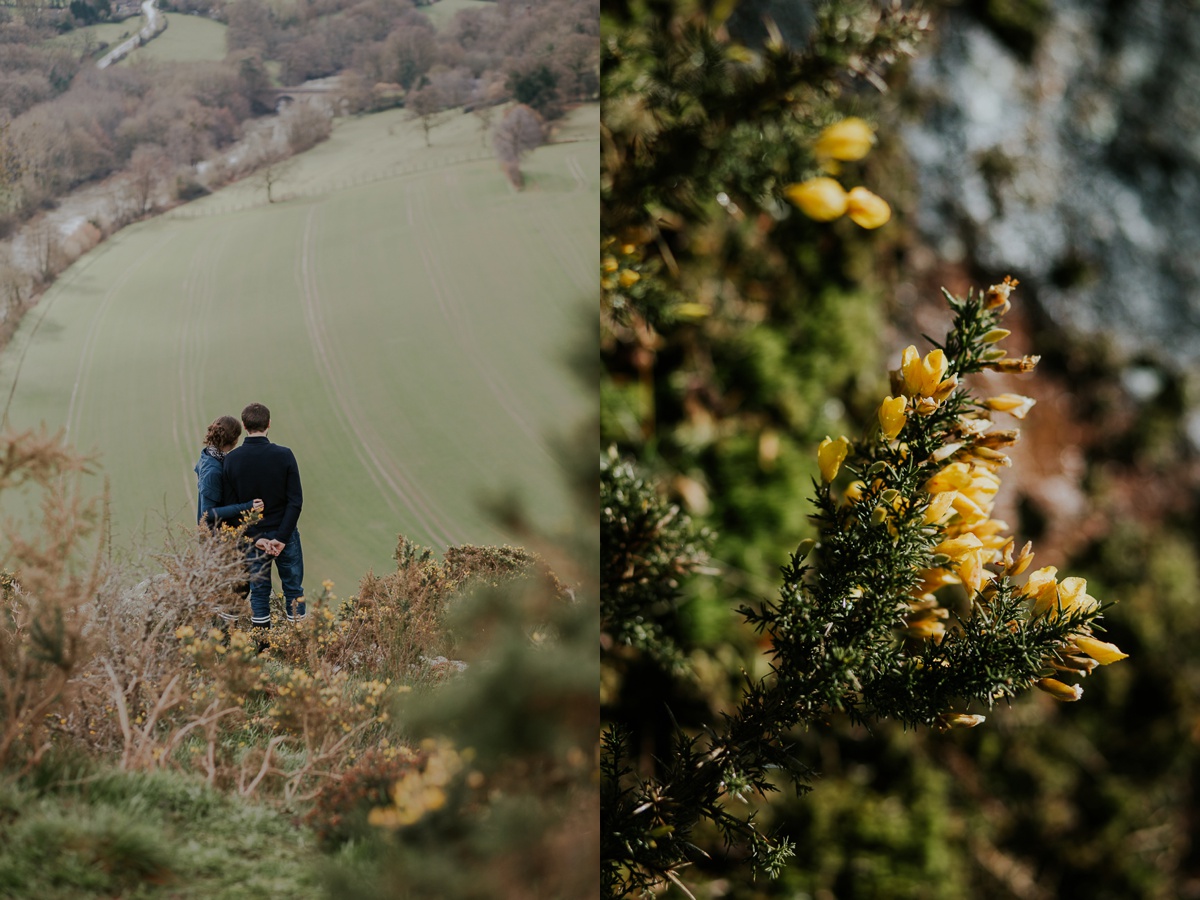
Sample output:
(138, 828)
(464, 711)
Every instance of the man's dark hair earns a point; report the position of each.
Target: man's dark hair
(256, 417)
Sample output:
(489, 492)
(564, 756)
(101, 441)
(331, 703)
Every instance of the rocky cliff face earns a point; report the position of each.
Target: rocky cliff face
(1072, 162)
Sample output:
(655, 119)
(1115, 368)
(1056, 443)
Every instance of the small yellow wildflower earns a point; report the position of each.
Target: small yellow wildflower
(628, 278)
(821, 199)
(867, 210)
(892, 416)
(830, 454)
(847, 140)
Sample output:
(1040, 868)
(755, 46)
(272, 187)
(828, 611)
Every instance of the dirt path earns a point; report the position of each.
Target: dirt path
(156, 22)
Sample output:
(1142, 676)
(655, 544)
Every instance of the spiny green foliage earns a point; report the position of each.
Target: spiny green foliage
(736, 329)
(859, 633)
(647, 547)
(693, 115)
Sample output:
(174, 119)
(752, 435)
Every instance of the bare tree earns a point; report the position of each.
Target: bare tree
(273, 170)
(485, 98)
(425, 103)
(45, 247)
(149, 166)
(518, 132)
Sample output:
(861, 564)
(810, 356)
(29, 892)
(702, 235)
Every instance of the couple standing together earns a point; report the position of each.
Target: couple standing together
(261, 476)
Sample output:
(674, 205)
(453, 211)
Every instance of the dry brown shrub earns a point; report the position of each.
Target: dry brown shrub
(47, 580)
(137, 690)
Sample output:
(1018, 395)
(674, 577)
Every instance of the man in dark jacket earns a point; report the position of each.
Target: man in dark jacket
(259, 468)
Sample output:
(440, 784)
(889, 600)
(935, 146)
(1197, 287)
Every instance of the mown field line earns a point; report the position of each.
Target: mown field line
(83, 371)
(378, 463)
(73, 274)
(425, 230)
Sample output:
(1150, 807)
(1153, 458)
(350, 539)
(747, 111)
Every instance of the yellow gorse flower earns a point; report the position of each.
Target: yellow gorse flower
(892, 416)
(922, 377)
(848, 140)
(1013, 404)
(867, 210)
(1060, 690)
(830, 454)
(1101, 651)
(821, 199)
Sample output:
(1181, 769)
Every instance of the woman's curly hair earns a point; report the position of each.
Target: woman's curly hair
(223, 432)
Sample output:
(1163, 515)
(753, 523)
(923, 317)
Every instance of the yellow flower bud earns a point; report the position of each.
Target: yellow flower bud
(1014, 404)
(997, 295)
(830, 454)
(1060, 691)
(892, 417)
(1013, 366)
(609, 264)
(847, 140)
(867, 210)
(960, 720)
(821, 199)
(628, 278)
(1101, 651)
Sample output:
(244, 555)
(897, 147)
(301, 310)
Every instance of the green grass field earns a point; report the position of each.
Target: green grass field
(186, 39)
(405, 315)
(443, 11)
(90, 38)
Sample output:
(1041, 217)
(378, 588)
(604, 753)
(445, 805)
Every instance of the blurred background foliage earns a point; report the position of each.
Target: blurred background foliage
(750, 332)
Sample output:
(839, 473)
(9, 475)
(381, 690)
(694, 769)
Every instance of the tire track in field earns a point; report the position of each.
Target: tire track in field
(73, 275)
(390, 476)
(181, 414)
(577, 173)
(87, 354)
(581, 269)
(195, 307)
(424, 234)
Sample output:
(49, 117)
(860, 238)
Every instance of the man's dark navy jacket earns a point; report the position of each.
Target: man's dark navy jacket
(261, 469)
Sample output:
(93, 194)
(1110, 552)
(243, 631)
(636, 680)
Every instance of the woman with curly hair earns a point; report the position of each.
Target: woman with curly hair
(222, 436)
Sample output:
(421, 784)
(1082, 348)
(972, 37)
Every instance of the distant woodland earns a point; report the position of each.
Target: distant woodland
(160, 127)
(63, 122)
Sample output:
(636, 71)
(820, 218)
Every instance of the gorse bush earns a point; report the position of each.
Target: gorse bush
(906, 607)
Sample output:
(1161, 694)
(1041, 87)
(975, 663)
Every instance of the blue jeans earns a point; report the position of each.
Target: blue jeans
(290, 564)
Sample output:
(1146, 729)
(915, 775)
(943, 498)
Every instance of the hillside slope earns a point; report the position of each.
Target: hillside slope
(403, 312)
